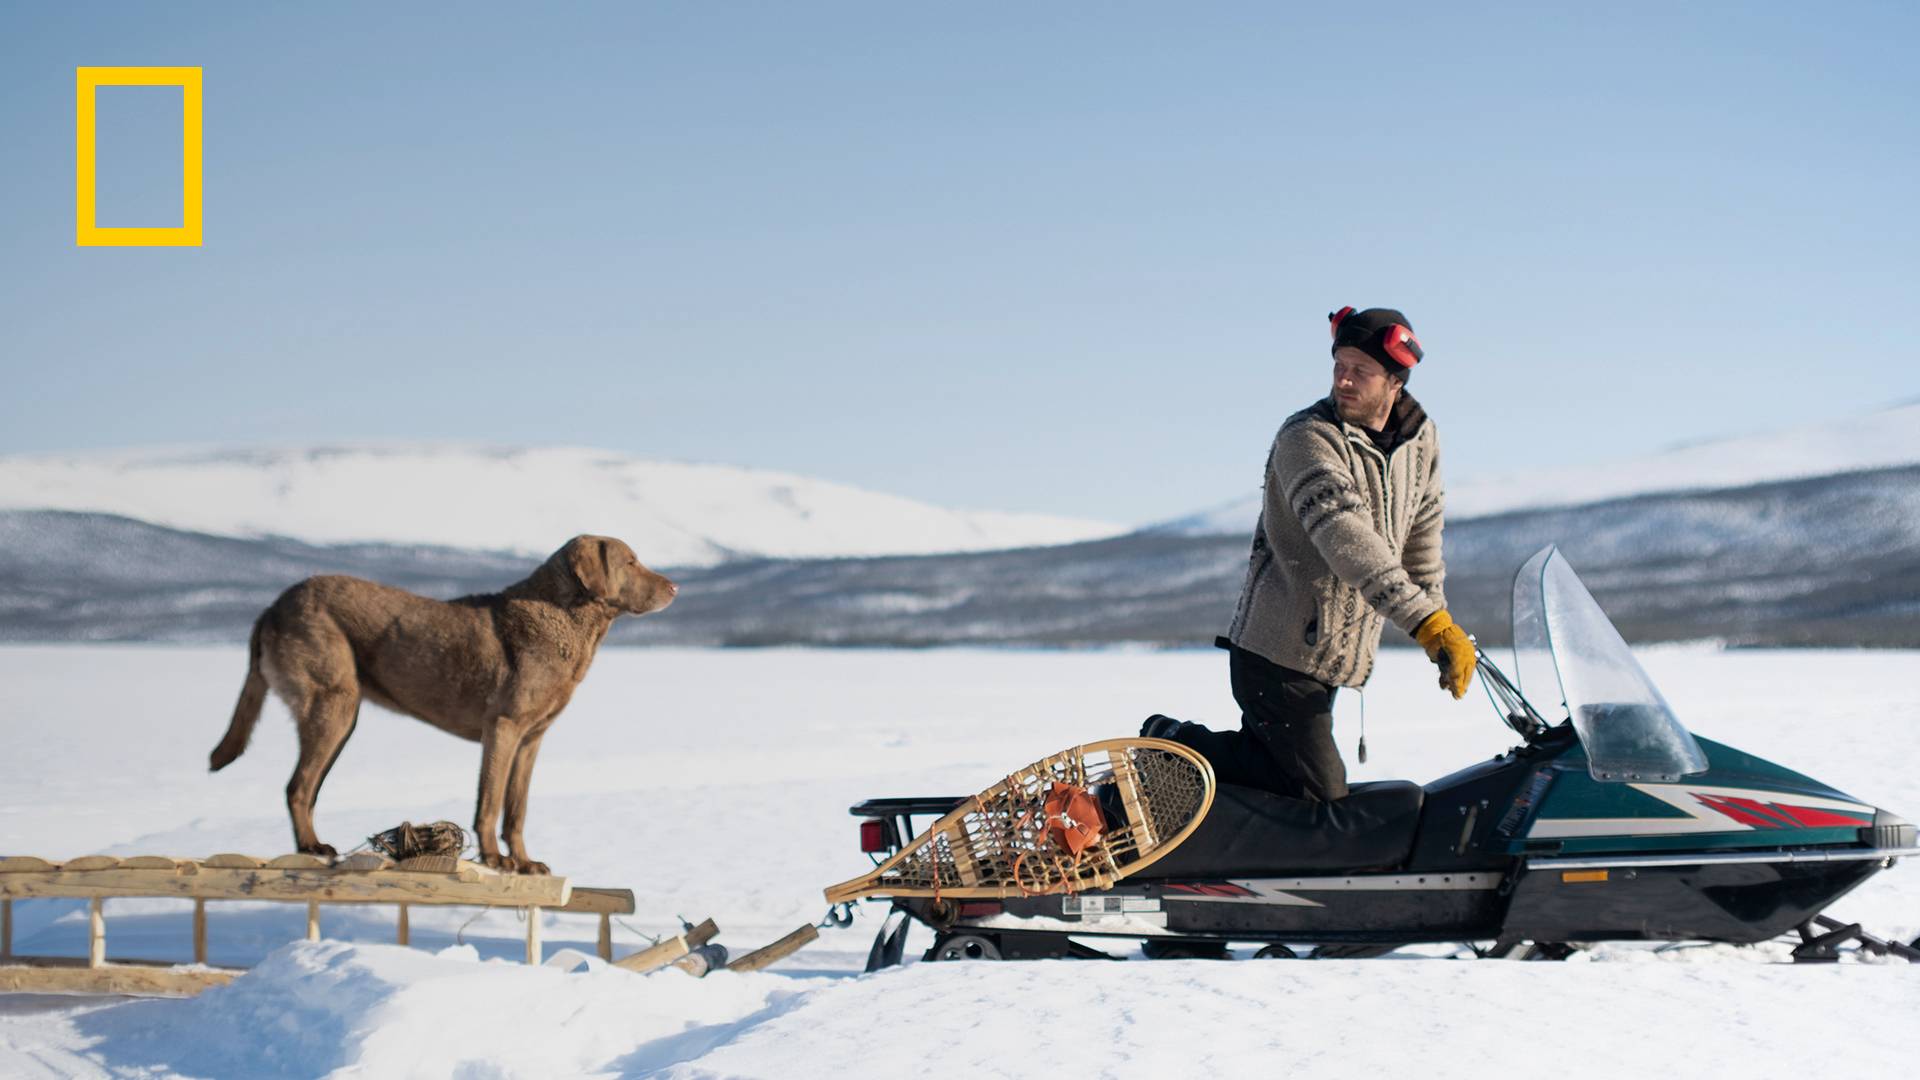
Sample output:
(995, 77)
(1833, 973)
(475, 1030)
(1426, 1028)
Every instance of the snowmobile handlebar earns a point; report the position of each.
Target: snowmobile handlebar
(1506, 697)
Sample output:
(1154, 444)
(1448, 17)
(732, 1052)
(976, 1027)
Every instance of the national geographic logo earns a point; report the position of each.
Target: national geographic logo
(86, 233)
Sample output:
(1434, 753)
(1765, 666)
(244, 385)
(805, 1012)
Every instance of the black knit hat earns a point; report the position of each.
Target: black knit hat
(1382, 333)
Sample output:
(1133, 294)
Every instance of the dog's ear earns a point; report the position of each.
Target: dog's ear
(587, 558)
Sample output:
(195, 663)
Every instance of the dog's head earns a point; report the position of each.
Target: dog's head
(607, 570)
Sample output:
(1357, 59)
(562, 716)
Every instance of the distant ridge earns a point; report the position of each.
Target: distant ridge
(526, 500)
(1758, 565)
(1887, 438)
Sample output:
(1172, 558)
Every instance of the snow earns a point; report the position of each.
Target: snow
(674, 514)
(715, 783)
(1884, 439)
(316, 1008)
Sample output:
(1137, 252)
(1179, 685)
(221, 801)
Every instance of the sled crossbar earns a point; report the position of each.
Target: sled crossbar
(357, 879)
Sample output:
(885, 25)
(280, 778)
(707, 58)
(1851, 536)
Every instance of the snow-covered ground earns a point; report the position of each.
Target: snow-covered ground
(716, 784)
(450, 494)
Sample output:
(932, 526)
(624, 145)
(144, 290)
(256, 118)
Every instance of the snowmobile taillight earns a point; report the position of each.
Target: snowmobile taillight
(878, 835)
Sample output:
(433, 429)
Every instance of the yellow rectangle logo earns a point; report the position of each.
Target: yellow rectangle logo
(86, 233)
(1573, 876)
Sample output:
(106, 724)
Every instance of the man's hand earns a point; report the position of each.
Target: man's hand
(1447, 646)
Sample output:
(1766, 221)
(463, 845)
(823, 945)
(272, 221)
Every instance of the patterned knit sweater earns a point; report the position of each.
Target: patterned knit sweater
(1348, 536)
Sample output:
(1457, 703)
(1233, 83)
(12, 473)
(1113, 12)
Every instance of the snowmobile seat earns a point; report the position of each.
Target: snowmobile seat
(1251, 832)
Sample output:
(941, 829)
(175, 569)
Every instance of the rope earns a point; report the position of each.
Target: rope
(648, 938)
(459, 935)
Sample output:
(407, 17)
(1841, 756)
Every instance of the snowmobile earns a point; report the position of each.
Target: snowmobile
(1614, 823)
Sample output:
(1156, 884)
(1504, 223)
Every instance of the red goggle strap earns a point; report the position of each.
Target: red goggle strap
(1334, 320)
(1402, 346)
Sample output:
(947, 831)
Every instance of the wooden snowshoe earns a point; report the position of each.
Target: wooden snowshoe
(1031, 833)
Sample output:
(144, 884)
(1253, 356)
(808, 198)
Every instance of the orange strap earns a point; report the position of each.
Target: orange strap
(1074, 821)
(1074, 824)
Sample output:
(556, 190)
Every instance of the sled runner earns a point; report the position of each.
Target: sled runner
(1081, 819)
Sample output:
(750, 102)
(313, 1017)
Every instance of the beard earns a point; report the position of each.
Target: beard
(1364, 409)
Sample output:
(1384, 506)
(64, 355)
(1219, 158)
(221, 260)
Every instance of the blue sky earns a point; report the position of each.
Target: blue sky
(1066, 258)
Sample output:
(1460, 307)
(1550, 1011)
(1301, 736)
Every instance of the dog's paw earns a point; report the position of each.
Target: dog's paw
(512, 864)
(325, 851)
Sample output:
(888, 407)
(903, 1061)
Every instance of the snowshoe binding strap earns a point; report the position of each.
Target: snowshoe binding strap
(1074, 820)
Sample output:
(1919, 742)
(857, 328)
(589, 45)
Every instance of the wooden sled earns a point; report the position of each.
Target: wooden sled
(1002, 842)
(356, 879)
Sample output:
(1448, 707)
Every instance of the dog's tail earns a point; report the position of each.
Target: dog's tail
(246, 712)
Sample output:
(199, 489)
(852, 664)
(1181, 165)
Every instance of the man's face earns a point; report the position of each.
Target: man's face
(1362, 390)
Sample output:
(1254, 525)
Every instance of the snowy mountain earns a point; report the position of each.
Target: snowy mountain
(1753, 563)
(524, 500)
(1878, 440)
(1762, 564)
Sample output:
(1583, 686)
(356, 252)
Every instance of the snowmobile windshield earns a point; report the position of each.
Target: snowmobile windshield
(1563, 643)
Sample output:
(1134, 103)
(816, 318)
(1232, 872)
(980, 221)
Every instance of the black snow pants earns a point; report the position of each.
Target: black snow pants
(1285, 742)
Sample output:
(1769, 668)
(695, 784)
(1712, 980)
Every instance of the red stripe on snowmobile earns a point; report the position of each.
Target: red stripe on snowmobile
(1814, 818)
(1210, 889)
(1771, 811)
(1771, 815)
(1743, 811)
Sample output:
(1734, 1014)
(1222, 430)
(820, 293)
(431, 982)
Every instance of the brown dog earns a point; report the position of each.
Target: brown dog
(495, 668)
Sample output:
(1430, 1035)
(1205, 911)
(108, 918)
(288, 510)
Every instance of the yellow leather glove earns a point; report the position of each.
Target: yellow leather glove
(1447, 646)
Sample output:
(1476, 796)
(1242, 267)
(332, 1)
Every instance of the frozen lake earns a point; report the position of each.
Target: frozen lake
(716, 783)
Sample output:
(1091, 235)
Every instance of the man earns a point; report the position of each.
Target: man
(1349, 537)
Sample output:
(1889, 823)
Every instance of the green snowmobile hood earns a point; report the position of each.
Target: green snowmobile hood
(1740, 801)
